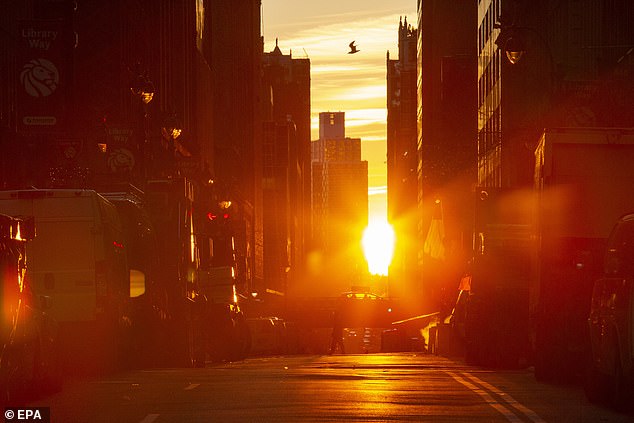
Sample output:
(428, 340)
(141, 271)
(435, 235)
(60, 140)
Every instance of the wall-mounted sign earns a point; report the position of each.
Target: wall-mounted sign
(43, 82)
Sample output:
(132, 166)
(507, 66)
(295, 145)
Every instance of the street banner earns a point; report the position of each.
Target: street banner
(43, 76)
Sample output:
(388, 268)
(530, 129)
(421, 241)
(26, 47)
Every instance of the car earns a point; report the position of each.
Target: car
(364, 309)
(611, 323)
(267, 335)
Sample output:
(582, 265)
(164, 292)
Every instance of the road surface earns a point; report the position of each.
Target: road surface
(339, 388)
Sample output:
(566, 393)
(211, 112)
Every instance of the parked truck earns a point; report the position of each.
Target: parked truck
(583, 180)
(188, 308)
(162, 255)
(538, 252)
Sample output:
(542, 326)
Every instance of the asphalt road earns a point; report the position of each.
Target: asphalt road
(338, 388)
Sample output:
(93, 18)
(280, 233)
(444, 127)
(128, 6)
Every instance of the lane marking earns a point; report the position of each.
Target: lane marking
(508, 399)
(510, 416)
(149, 418)
(192, 386)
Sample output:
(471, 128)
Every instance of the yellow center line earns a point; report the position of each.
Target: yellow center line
(508, 399)
(510, 416)
(150, 418)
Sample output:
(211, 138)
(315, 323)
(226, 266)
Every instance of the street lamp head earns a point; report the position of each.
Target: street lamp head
(224, 204)
(510, 41)
(143, 88)
(172, 129)
(147, 96)
(514, 49)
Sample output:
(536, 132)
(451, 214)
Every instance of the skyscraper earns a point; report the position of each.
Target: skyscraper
(446, 82)
(287, 167)
(236, 60)
(340, 204)
(402, 184)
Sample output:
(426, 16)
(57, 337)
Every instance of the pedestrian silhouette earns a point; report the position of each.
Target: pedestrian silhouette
(337, 334)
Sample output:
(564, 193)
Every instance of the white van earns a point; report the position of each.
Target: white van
(77, 262)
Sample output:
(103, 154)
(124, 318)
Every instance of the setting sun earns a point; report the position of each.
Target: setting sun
(378, 246)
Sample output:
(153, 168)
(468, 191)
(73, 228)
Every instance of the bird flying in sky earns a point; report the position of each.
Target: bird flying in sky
(353, 48)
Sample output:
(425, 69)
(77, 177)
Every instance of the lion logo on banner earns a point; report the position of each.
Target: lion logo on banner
(39, 77)
(121, 160)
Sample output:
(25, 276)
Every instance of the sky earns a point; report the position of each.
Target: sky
(352, 83)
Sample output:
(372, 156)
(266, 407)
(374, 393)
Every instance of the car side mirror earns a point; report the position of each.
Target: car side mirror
(137, 283)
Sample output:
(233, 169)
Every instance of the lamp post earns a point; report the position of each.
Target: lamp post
(143, 89)
(171, 128)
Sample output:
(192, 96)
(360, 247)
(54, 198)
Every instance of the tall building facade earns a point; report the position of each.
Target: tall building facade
(287, 167)
(446, 115)
(97, 126)
(402, 184)
(576, 70)
(236, 61)
(340, 207)
(94, 125)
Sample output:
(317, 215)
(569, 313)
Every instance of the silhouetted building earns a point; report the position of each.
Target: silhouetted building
(340, 206)
(278, 139)
(402, 184)
(236, 61)
(115, 82)
(447, 100)
(287, 167)
(576, 70)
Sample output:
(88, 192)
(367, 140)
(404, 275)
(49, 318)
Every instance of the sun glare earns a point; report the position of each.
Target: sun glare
(378, 246)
